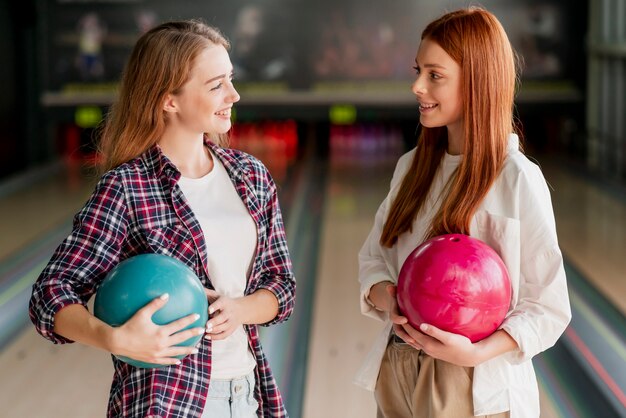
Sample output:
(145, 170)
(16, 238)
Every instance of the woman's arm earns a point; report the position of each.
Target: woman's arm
(259, 308)
(374, 274)
(139, 338)
(71, 277)
(380, 298)
(458, 349)
(75, 323)
(543, 310)
(83, 259)
(277, 287)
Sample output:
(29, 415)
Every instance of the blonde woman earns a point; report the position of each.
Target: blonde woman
(172, 187)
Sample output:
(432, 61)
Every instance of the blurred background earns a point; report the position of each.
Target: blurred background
(326, 105)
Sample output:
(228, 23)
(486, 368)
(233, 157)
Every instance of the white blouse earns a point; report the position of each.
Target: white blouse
(516, 219)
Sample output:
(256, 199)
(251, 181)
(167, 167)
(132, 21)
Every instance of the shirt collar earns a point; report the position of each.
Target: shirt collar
(513, 143)
(158, 163)
(234, 162)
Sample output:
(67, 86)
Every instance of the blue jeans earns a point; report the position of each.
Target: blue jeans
(231, 398)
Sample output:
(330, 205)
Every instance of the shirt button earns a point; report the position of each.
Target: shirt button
(237, 389)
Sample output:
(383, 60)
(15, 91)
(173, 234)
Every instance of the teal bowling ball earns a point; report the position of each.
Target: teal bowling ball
(136, 281)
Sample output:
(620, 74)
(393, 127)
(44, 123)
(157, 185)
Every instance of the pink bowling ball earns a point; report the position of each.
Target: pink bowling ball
(456, 283)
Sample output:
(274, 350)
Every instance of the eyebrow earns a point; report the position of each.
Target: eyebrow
(431, 65)
(218, 77)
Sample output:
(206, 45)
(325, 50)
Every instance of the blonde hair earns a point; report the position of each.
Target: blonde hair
(476, 40)
(159, 64)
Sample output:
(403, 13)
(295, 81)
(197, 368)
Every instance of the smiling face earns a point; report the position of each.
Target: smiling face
(438, 88)
(204, 102)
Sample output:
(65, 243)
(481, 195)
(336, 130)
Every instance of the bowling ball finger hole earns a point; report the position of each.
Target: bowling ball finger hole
(455, 240)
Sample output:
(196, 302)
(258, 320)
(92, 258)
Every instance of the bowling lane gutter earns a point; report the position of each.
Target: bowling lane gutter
(597, 338)
(584, 372)
(17, 274)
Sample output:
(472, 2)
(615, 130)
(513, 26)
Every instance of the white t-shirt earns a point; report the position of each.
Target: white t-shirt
(231, 238)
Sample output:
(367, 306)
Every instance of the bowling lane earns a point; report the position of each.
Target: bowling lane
(40, 379)
(340, 335)
(39, 201)
(591, 223)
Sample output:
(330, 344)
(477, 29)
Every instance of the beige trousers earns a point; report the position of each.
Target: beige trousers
(411, 384)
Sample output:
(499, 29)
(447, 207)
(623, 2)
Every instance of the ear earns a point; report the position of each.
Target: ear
(169, 104)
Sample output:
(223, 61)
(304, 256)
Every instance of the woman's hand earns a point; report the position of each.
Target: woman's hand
(399, 321)
(141, 339)
(226, 315)
(453, 348)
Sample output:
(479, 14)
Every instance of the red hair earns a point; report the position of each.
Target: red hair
(474, 39)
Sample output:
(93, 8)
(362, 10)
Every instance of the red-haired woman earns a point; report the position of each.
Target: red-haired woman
(466, 175)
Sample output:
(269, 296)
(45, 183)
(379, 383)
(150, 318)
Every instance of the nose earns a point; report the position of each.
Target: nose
(233, 96)
(418, 87)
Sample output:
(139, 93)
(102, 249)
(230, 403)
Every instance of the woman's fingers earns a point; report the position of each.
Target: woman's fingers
(216, 328)
(220, 327)
(168, 356)
(178, 351)
(400, 332)
(154, 305)
(211, 295)
(183, 336)
(180, 324)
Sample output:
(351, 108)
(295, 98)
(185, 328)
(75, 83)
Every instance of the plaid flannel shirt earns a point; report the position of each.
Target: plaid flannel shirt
(139, 208)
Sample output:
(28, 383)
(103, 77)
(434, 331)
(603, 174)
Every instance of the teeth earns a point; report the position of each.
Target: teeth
(223, 113)
(427, 106)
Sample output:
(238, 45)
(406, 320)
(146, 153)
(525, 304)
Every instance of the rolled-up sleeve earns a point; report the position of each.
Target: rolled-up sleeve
(372, 265)
(81, 261)
(277, 272)
(543, 310)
